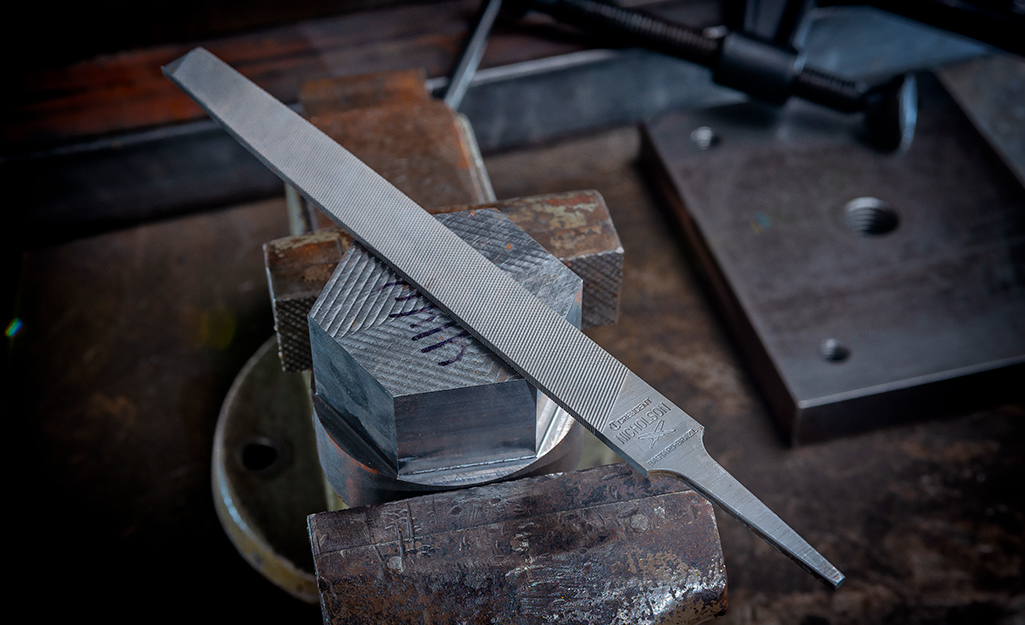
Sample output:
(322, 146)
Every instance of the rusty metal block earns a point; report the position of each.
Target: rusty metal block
(604, 545)
(328, 95)
(574, 227)
(297, 270)
(577, 229)
(423, 148)
(389, 121)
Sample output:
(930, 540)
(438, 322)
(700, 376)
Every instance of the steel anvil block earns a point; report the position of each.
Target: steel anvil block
(604, 545)
(408, 379)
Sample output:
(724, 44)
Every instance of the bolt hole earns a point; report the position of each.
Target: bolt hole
(833, 351)
(869, 216)
(704, 137)
(259, 455)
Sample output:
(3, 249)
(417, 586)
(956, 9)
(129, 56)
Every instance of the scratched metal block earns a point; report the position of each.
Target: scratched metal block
(599, 546)
(575, 227)
(410, 380)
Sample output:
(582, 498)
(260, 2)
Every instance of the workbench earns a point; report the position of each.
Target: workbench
(132, 336)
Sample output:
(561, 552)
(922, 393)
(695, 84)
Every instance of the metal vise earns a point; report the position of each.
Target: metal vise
(407, 401)
(390, 419)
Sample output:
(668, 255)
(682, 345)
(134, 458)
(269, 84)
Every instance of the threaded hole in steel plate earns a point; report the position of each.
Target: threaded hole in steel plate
(869, 216)
(834, 351)
(259, 454)
(704, 137)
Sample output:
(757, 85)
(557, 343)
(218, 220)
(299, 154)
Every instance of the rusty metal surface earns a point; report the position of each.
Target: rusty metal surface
(328, 95)
(266, 477)
(389, 121)
(603, 545)
(298, 267)
(419, 147)
(130, 343)
(928, 520)
(575, 227)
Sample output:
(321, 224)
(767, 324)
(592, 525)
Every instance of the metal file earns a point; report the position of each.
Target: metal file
(639, 423)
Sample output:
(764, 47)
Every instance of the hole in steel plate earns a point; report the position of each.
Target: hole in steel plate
(704, 137)
(870, 216)
(834, 351)
(259, 454)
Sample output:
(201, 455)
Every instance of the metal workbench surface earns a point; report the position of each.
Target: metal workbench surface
(131, 341)
(132, 337)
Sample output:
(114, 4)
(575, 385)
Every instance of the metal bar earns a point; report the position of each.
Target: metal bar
(133, 177)
(472, 55)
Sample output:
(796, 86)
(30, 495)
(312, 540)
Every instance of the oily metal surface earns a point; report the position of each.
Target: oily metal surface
(555, 357)
(329, 95)
(926, 520)
(866, 289)
(604, 545)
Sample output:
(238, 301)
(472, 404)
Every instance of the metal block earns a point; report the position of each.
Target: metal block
(575, 227)
(423, 148)
(297, 270)
(328, 95)
(865, 289)
(437, 405)
(599, 546)
(103, 183)
(388, 120)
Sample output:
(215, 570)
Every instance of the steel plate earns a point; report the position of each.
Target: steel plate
(864, 288)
